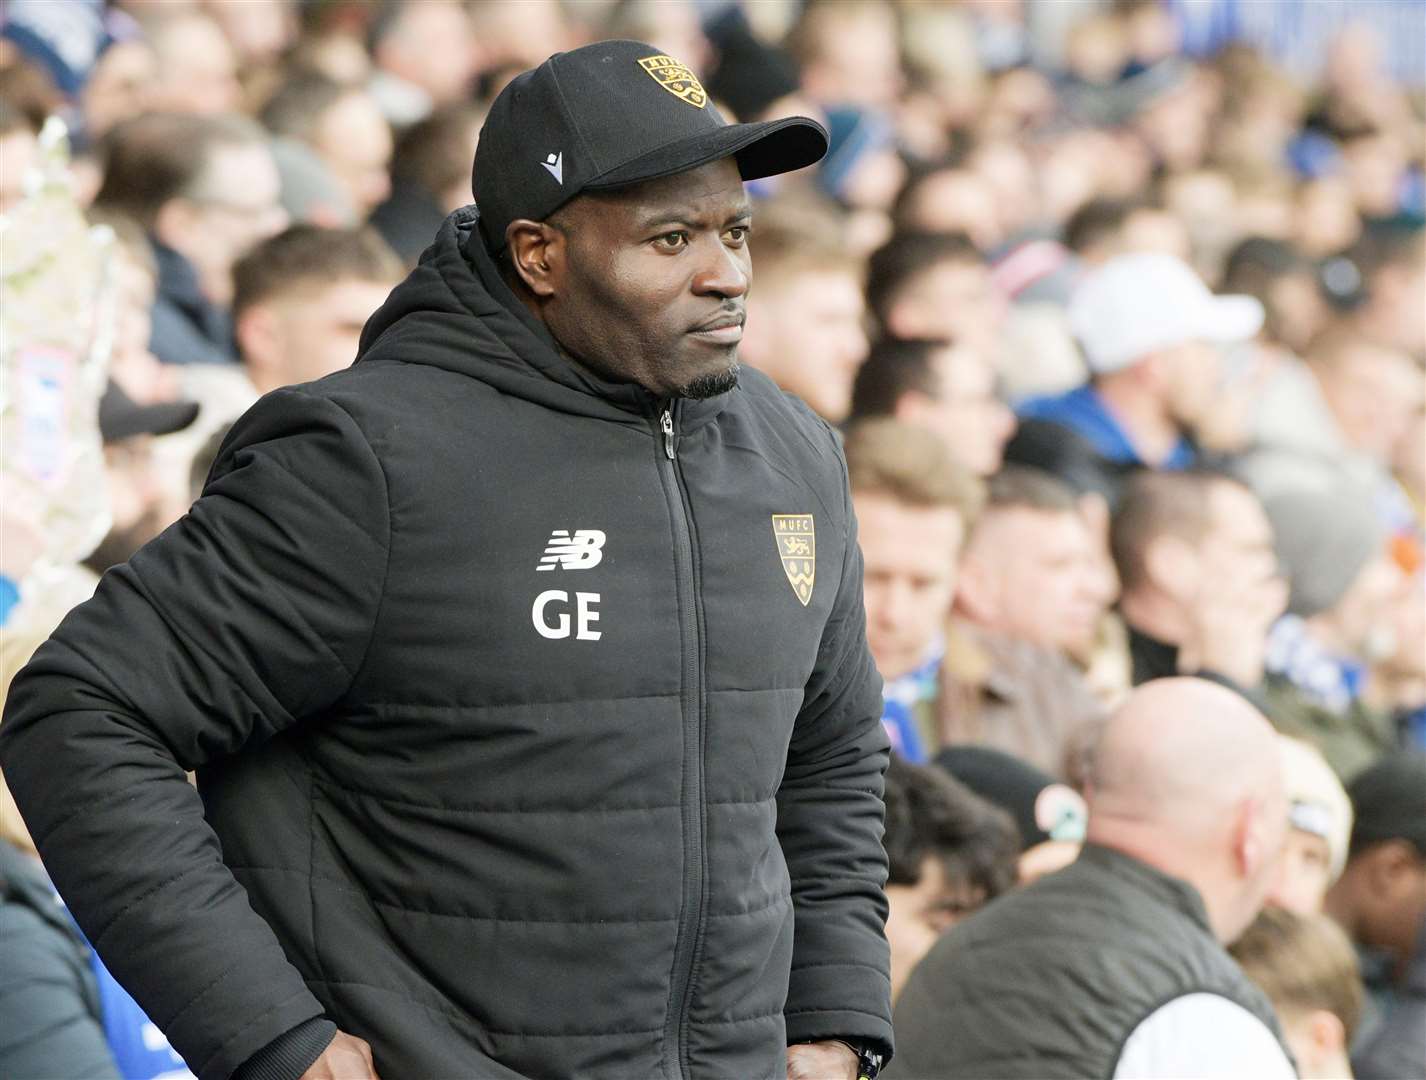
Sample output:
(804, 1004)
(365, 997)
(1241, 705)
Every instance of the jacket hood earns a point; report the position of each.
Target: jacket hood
(454, 311)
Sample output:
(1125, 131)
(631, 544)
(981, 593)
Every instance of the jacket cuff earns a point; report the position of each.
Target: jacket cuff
(291, 1054)
(849, 1026)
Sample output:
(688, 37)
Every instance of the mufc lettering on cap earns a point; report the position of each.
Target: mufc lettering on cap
(676, 79)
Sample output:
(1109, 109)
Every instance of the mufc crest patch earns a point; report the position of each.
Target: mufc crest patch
(676, 79)
(797, 547)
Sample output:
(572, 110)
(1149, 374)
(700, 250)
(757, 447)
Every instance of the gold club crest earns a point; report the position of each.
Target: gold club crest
(797, 547)
(676, 79)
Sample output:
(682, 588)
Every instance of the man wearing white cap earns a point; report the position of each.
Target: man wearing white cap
(1151, 334)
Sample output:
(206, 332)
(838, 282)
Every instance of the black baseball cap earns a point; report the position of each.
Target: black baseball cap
(609, 115)
(1389, 801)
(121, 417)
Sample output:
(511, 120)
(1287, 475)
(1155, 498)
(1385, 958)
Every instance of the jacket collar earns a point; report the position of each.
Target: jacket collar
(1164, 889)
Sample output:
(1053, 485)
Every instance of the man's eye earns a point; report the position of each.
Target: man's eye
(672, 241)
(738, 234)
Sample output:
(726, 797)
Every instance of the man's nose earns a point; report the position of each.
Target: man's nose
(725, 274)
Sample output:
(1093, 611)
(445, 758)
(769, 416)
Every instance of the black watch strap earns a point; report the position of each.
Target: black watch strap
(868, 1060)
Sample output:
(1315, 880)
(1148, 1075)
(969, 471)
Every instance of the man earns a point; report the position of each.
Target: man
(934, 286)
(1115, 966)
(1151, 333)
(914, 506)
(526, 684)
(1033, 567)
(942, 386)
(195, 70)
(1320, 820)
(805, 322)
(949, 853)
(426, 56)
(343, 126)
(1306, 967)
(1380, 900)
(206, 189)
(1199, 578)
(301, 299)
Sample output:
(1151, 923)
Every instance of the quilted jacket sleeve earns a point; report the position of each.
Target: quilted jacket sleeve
(830, 816)
(252, 612)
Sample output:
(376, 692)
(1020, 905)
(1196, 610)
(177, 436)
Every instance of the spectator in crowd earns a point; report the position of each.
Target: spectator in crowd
(1306, 967)
(1380, 900)
(914, 505)
(1050, 816)
(950, 198)
(1286, 283)
(949, 853)
(947, 388)
(804, 327)
(1372, 390)
(301, 299)
(934, 287)
(1120, 958)
(1030, 593)
(345, 129)
(1151, 332)
(847, 53)
(426, 56)
(135, 488)
(1344, 586)
(1320, 825)
(206, 189)
(195, 70)
(430, 178)
(1199, 578)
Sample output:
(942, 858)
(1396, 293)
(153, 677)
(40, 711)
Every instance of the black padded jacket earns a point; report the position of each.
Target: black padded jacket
(535, 728)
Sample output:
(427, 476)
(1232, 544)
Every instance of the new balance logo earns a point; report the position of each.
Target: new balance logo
(581, 551)
(554, 165)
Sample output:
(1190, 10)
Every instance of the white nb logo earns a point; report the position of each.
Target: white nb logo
(581, 551)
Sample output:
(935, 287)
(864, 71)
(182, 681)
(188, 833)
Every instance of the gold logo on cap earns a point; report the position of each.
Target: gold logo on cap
(797, 547)
(676, 79)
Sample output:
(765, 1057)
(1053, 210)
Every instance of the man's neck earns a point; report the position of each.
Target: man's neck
(1155, 614)
(1150, 429)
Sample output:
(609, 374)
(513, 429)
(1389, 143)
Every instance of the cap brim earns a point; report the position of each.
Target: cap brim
(762, 149)
(120, 417)
(1227, 319)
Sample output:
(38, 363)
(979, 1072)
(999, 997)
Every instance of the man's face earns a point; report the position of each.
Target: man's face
(1304, 874)
(237, 206)
(919, 914)
(953, 300)
(1374, 393)
(910, 576)
(1192, 376)
(1238, 547)
(974, 423)
(354, 140)
(1037, 576)
(647, 285)
(315, 331)
(812, 341)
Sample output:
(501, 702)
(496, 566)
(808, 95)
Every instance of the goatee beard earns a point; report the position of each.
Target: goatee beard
(707, 386)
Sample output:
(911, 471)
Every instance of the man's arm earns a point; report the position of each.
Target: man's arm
(252, 612)
(829, 823)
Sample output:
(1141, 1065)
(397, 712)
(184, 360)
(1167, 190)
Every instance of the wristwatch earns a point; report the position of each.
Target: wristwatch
(868, 1060)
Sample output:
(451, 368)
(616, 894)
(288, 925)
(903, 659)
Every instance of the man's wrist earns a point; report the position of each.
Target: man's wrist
(290, 1055)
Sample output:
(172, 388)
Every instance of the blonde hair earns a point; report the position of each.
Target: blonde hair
(1303, 963)
(912, 465)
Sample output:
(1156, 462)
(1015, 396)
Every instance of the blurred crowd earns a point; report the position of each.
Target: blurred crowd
(1128, 350)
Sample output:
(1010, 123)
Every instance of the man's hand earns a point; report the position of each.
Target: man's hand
(346, 1058)
(821, 1061)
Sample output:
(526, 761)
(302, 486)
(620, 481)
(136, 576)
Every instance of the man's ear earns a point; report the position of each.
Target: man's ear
(1327, 1036)
(912, 407)
(1388, 866)
(174, 222)
(1171, 563)
(258, 341)
(539, 254)
(975, 590)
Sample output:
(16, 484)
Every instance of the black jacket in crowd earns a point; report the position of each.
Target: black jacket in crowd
(518, 751)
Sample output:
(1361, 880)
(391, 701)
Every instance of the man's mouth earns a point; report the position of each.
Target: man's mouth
(726, 329)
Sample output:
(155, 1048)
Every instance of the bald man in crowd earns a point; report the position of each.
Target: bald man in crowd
(1116, 966)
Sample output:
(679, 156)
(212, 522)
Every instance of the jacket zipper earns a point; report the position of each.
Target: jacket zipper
(689, 941)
